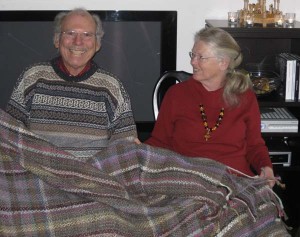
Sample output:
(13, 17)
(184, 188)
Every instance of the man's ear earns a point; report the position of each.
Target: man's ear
(98, 46)
(56, 41)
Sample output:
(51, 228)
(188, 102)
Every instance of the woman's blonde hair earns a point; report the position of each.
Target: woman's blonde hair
(224, 45)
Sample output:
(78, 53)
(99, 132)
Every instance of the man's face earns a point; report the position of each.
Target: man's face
(77, 43)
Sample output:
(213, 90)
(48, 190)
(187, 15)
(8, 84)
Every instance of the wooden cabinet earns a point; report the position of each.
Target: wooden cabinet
(259, 46)
(258, 42)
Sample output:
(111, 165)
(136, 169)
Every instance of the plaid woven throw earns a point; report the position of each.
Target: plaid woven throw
(126, 190)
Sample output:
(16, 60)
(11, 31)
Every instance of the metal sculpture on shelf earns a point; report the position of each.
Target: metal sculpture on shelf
(257, 13)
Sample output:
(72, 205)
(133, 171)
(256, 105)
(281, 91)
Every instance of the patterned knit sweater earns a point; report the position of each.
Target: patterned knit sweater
(79, 114)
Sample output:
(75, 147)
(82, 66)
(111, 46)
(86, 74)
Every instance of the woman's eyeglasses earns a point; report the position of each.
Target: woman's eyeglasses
(198, 57)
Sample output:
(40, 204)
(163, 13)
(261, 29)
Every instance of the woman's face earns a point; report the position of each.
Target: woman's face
(207, 68)
(75, 47)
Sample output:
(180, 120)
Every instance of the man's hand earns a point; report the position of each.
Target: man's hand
(137, 141)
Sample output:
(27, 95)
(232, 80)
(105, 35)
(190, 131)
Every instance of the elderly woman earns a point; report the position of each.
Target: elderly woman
(214, 113)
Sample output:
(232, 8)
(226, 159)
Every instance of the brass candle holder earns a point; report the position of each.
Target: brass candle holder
(259, 13)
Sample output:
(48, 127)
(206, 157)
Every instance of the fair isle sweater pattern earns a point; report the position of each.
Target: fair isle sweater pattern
(78, 114)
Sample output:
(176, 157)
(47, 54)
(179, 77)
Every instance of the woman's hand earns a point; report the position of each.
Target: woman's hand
(267, 173)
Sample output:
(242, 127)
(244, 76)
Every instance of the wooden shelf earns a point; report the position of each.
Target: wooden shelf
(275, 100)
(272, 40)
(270, 31)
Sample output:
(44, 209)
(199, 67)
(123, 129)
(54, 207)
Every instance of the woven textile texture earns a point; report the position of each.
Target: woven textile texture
(125, 190)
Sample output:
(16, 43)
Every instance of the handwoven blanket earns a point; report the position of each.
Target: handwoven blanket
(126, 190)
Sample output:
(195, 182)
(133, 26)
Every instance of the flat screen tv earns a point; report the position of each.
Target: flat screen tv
(138, 46)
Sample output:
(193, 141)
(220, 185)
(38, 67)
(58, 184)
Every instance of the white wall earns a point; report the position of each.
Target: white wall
(191, 13)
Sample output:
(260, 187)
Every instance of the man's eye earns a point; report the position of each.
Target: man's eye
(88, 34)
(71, 33)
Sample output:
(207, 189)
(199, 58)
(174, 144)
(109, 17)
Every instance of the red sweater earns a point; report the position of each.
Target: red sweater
(237, 142)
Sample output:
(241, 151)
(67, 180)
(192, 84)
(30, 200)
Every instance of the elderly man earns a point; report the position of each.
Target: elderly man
(69, 101)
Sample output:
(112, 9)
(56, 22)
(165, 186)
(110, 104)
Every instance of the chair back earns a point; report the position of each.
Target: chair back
(168, 79)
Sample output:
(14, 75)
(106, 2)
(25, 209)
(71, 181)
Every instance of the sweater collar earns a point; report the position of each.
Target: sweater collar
(63, 67)
(64, 73)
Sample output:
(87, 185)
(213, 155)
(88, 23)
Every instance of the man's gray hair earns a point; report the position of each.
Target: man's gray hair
(59, 18)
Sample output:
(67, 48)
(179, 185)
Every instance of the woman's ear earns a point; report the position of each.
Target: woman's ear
(224, 63)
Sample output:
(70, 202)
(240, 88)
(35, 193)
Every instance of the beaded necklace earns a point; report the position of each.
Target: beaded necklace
(209, 130)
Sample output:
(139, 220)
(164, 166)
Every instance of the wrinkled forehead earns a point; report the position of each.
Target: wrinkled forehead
(202, 47)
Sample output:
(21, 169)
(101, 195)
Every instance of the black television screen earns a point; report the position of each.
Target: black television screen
(138, 46)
